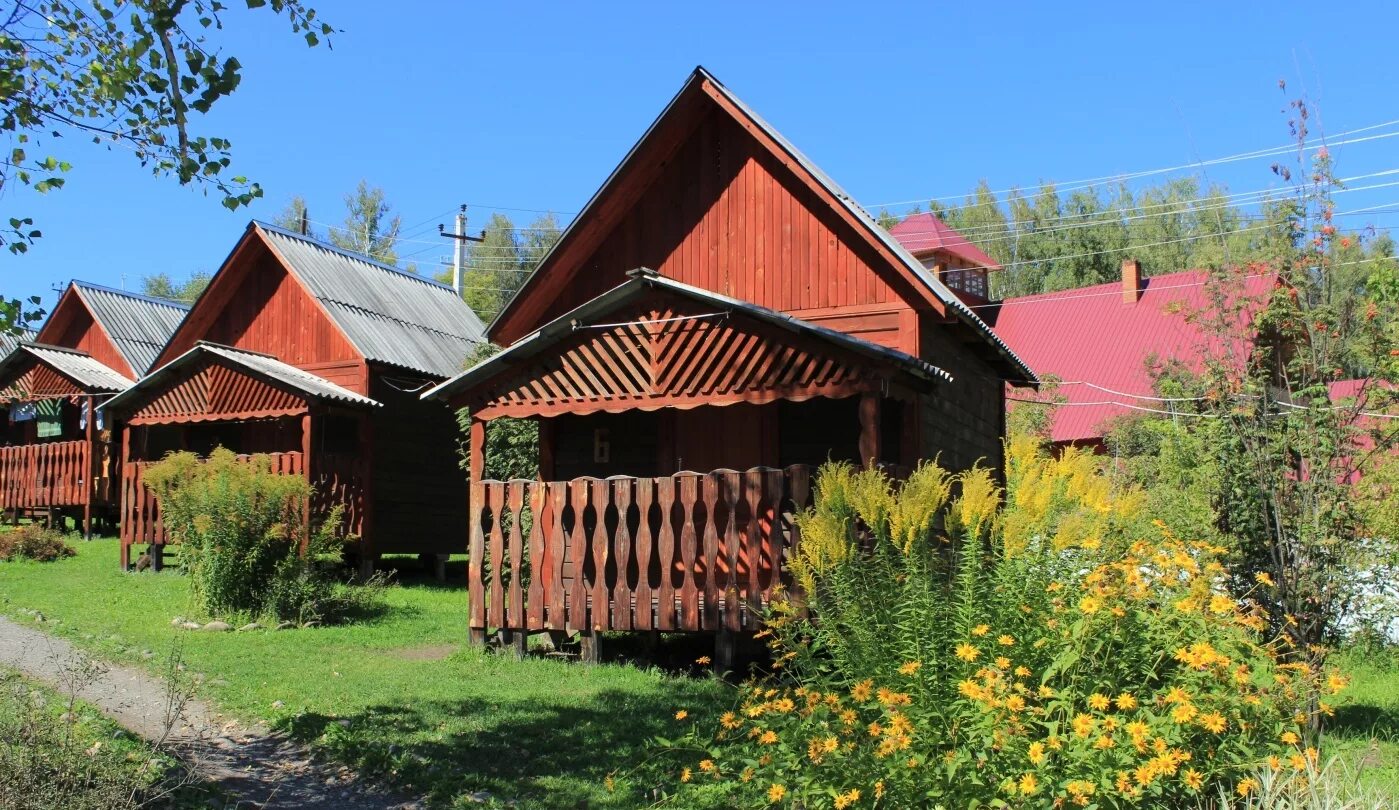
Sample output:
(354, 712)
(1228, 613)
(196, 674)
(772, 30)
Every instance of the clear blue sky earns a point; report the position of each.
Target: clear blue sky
(531, 106)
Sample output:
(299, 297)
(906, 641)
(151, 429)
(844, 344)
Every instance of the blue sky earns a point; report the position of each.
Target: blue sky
(530, 107)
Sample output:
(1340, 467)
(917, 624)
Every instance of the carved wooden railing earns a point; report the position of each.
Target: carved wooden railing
(340, 481)
(688, 552)
(42, 475)
(140, 511)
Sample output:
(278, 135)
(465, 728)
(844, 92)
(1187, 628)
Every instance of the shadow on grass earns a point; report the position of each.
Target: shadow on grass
(541, 753)
(1363, 722)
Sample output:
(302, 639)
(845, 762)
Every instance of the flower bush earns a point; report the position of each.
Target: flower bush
(955, 647)
(33, 542)
(242, 529)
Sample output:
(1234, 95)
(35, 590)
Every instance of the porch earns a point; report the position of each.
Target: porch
(630, 393)
(253, 405)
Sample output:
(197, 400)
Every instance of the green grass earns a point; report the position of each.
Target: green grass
(1364, 734)
(379, 695)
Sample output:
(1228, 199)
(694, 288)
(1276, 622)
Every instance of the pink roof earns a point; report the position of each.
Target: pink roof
(922, 233)
(1091, 340)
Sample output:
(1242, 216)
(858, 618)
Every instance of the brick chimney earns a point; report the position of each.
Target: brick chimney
(1131, 281)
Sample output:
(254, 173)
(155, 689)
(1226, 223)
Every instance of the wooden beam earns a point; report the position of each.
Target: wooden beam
(121, 500)
(869, 429)
(477, 439)
(93, 461)
(308, 423)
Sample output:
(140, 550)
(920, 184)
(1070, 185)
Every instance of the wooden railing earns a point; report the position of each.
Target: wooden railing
(688, 552)
(140, 512)
(42, 475)
(340, 481)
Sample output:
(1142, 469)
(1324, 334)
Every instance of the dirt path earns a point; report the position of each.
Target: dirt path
(256, 767)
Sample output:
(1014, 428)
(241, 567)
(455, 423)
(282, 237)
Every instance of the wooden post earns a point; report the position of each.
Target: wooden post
(869, 429)
(725, 650)
(93, 460)
(308, 422)
(366, 484)
(124, 513)
(590, 646)
(912, 450)
(477, 438)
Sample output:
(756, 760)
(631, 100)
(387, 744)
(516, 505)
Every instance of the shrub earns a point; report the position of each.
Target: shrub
(961, 652)
(33, 542)
(242, 529)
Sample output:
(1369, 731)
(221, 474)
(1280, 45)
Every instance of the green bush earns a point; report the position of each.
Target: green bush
(33, 542)
(949, 649)
(242, 529)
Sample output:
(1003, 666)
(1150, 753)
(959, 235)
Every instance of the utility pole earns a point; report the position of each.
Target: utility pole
(459, 253)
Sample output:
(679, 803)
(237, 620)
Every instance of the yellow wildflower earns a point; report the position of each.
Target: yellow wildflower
(1029, 785)
(730, 720)
(1098, 701)
(1247, 786)
(685, 775)
(681, 715)
(1263, 579)
(861, 691)
(1290, 737)
(967, 652)
(1184, 713)
(1213, 721)
(703, 660)
(1036, 753)
(1193, 779)
(1126, 702)
(981, 629)
(1002, 663)
(1089, 604)
(768, 737)
(1006, 640)
(776, 792)
(910, 668)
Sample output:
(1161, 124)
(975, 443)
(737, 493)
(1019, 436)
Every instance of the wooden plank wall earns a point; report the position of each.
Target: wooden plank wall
(72, 327)
(35, 476)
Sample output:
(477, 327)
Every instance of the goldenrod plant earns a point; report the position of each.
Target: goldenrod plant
(1048, 645)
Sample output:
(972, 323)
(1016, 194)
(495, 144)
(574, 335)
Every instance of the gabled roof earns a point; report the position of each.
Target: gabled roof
(80, 367)
(643, 280)
(138, 325)
(925, 233)
(703, 82)
(388, 315)
(262, 366)
(1099, 347)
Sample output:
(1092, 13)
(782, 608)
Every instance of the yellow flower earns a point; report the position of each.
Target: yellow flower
(1247, 786)
(776, 792)
(910, 668)
(1006, 640)
(1083, 724)
(1335, 682)
(768, 737)
(861, 691)
(1089, 604)
(681, 715)
(1126, 702)
(981, 629)
(703, 660)
(685, 775)
(879, 789)
(1193, 779)
(1221, 604)
(1028, 784)
(1036, 753)
(967, 652)
(1002, 663)
(1103, 742)
(1214, 721)
(1290, 737)
(1015, 703)
(1022, 672)
(1098, 701)
(730, 720)
(1184, 713)
(1264, 579)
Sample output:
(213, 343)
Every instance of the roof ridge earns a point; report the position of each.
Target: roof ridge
(352, 255)
(394, 318)
(215, 345)
(33, 344)
(149, 299)
(1070, 292)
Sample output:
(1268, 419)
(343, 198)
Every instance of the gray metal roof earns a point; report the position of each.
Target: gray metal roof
(940, 290)
(390, 316)
(643, 279)
(78, 366)
(139, 325)
(260, 365)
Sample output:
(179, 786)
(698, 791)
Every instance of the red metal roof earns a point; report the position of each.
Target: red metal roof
(1091, 340)
(924, 232)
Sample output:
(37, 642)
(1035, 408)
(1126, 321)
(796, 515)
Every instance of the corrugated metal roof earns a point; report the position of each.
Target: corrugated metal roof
(260, 365)
(8, 342)
(140, 326)
(78, 366)
(1093, 340)
(924, 232)
(643, 279)
(390, 316)
(872, 227)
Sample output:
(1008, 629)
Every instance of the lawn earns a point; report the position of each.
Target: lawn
(397, 695)
(1364, 734)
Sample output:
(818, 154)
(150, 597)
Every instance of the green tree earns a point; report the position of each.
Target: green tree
(161, 285)
(368, 228)
(130, 74)
(294, 216)
(498, 266)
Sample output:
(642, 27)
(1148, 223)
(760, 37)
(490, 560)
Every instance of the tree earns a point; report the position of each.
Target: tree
(497, 267)
(131, 75)
(368, 227)
(161, 285)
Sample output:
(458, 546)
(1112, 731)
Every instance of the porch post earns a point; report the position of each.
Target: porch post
(477, 438)
(307, 449)
(869, 429)
(476, 468)
(94, 459)
(123, 524)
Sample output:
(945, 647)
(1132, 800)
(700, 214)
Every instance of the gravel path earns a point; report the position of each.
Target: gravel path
(255, 767)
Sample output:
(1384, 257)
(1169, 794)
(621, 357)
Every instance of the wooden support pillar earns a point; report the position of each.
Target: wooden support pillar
(477, 439)
(124, 514)
(90, 467)
(308, 423)
(365, 471)
(725, 650)
(516, 641)
(590, 646)
(869, 429)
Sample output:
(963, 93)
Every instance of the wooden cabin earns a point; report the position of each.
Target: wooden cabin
(717, 321)
(56, 460)
(315, 356)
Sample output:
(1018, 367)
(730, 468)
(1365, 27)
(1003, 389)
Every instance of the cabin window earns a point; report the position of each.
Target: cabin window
(962, 279)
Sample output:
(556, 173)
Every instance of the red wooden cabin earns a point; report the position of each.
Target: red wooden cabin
(720, 306)
(56, 460)
(317, 356)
